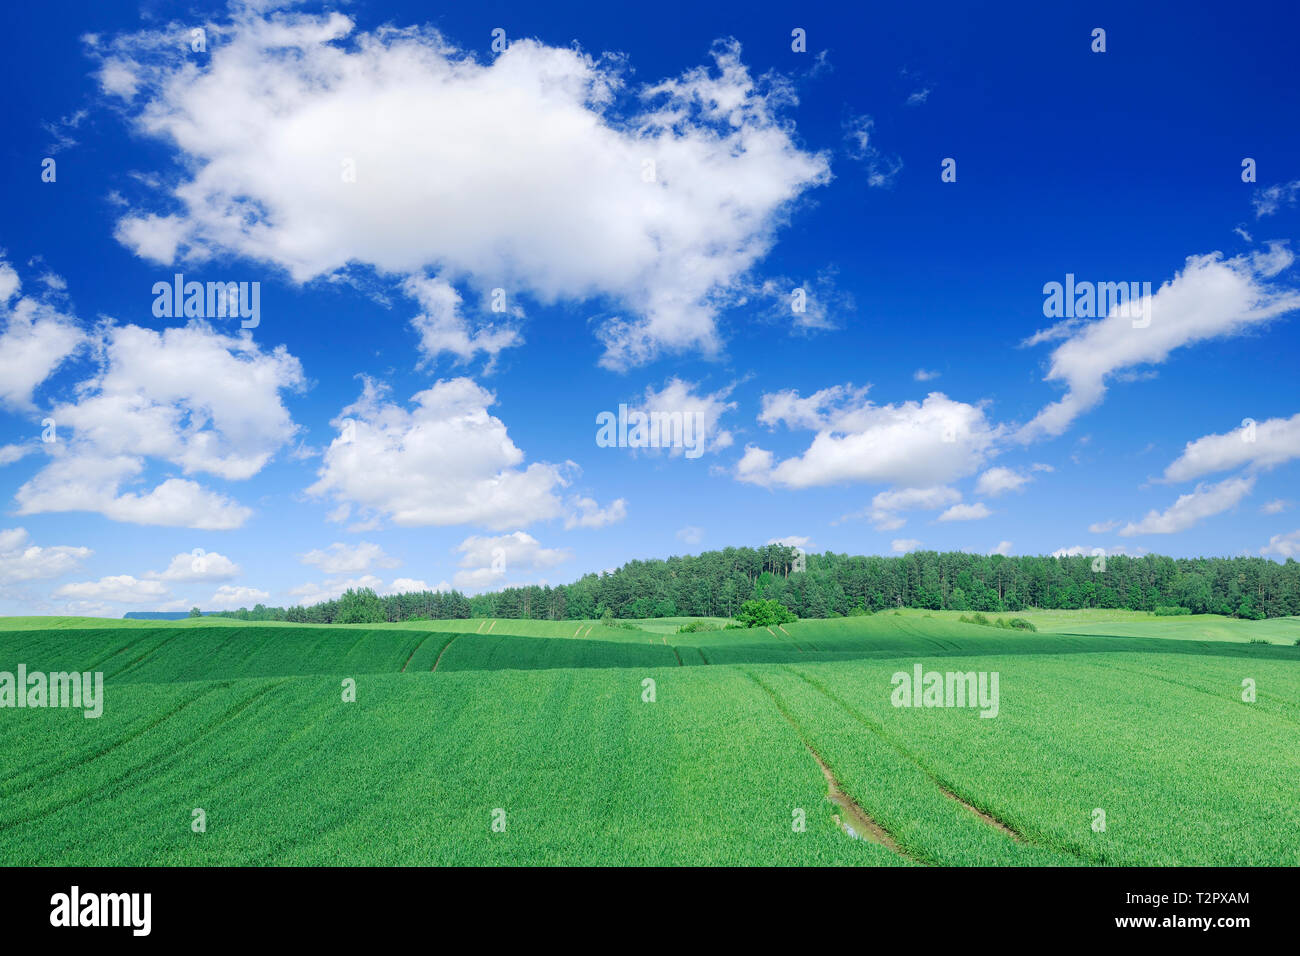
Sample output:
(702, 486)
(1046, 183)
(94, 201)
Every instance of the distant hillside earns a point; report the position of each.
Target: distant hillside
(716, 583)
(158, 615)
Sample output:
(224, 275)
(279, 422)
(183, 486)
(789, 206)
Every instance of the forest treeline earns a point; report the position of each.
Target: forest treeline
(716, 583)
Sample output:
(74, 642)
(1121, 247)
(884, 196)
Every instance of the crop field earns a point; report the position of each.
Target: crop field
(1115, 740)
(1210, 627)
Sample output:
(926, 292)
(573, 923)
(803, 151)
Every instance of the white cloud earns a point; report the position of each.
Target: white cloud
(120, 588)
(793, 541)
(524, 172)
(916, 499)
(518, 548)
(883, 520)
(198, 565)
(999, 480)
(1074, 551)
(1211, 298)
(1275, 507)
(690, 535)
(1101, 527)
(1003, 548)
(807, 305)
(815, 412)
(205, 401)
(701, 411)
(886, 503)
(910, 444)
(190, 396)
(12, 453)
(445, 461)
(9, 282)
(1079, 550)
(881, 168)
(967, 512)
(1270, 199)
(587, 513)
(231, 597)
(488, 560)
(316, 592)
(1283, 545)
(35, 340)
(1204, 502)
(903, 545)
(924, 375)
(117, 78)
(409, 585)
(340, 558)
(84, 482)
(443, 326)
(20, 560)
(1263, 445)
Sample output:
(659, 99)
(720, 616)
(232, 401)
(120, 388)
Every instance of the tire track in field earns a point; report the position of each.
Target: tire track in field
(880, 733)
(438, 661)
(74, 762)
(211, 653)
(1279, 714)
(790, 640)
(858, 822)
(416, 648)
(111, 788)
(108, 656)
(356, 644)
(116, 675)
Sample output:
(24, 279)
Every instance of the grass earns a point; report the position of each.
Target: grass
(1209, 627)
(547, 721)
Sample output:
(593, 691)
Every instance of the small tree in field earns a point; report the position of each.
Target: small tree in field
(764, 614)
(195, 612)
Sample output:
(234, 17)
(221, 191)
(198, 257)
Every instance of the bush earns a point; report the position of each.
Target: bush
(694, 627)
(1016, 623)
(764, 614)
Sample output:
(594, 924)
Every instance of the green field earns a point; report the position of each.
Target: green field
(542, 726)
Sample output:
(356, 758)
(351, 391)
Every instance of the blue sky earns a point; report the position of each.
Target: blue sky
(646, 186)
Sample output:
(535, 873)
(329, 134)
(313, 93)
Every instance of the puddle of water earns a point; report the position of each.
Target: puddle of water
(852, 819)
(846, 827)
